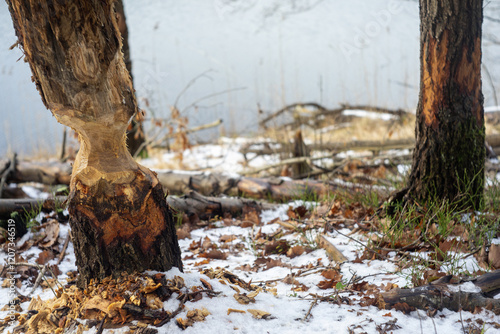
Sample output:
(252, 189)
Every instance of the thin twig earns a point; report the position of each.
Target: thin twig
(315, 301)
(174, 314)
(360, 278)
(63, 145)
(190, 83)
(39, 279)
(434, 324)
(366, 247)
(300, 273)
(460, 311)
(65, 246)
(41, 274)
(55, 278)
(101, 325)
(420, 318)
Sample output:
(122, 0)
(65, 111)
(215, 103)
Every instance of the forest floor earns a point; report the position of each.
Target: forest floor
(310, 264)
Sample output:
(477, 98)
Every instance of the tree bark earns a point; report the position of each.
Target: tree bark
(118, 214)
(300, 149)
(448, 161)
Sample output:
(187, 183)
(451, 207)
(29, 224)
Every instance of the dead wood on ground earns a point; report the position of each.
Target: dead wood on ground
(208, 184)
(441, 295)
(191, 204)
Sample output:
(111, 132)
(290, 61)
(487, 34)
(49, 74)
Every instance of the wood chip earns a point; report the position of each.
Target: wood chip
(232, 310)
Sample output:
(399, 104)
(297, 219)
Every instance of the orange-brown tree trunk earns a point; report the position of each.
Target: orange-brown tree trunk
(448, 161)
(118, 213)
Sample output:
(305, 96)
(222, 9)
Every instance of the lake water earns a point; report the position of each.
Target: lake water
(236, 55)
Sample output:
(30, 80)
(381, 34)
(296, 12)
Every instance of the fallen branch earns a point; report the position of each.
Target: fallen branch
(290, 107)
(193, 203)
(361, 145)
(321, 110)
(438, 297)
(355, 145)
(489, 283)
(46, 172)
(65, 246)
(290, 161)
(210, 207)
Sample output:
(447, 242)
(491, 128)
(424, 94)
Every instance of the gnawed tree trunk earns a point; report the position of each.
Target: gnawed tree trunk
(118, 214)
(448, 160)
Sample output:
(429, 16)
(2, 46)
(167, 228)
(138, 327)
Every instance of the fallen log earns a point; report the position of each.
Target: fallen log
(355, 145)
(489, 283)
(211, 207)
(439, 296)
(321, 110)
(46, 172)
(192, 204)
(207, 184)
(361, 145)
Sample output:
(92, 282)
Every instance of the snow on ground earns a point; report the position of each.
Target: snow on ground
(223, 157)
(288, 306)
(292, 284)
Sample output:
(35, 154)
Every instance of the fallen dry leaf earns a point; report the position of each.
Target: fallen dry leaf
(206, 284)
(183, 232)
(258, 314)
(295, 251)
(327, 284)
(332, 274)
(51, 234)
(252, 217)
(494, 256)
(276, 247)
(227, 238)
(243, 298)
(192, 317)
(45, 257)
(214, 254)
